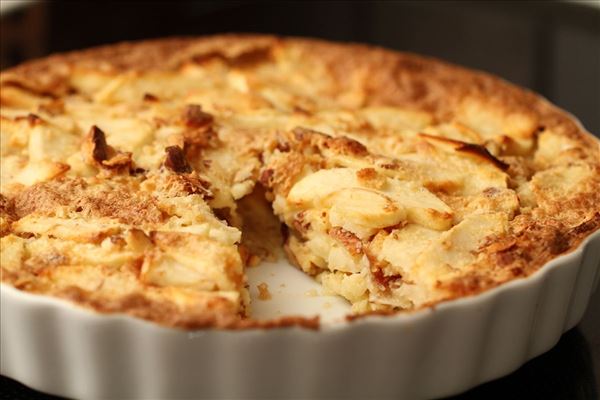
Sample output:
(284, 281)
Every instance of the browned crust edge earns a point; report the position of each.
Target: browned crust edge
(396, 79)
(473, 285)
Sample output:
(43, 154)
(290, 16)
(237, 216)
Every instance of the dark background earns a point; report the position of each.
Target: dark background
(550, 47)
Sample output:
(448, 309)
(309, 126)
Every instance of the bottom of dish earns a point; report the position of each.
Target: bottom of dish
(278, 289)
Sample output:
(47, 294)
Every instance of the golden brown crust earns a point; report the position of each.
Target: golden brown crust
(383, 78)
(45, 198)
(395, 79)
(7, 215)
(217, 313)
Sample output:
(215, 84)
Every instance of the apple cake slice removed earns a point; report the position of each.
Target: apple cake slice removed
(367, 227)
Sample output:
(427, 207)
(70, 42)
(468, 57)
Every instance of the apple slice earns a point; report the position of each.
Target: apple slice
(363, 211)
(314, 187)
(421, 206)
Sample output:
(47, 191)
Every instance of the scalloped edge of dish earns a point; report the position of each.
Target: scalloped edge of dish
(56, 347)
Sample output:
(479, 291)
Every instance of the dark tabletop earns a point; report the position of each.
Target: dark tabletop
(550, 47)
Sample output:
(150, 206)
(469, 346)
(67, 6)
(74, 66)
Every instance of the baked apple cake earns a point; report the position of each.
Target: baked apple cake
(134, 176)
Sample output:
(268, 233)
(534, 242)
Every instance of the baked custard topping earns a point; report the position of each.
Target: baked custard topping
(134, 177)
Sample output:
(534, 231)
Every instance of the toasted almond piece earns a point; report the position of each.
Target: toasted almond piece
(195, 117)
(95, 146)
(175, 160)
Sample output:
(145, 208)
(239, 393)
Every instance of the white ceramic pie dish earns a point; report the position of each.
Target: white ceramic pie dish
(56, 347)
